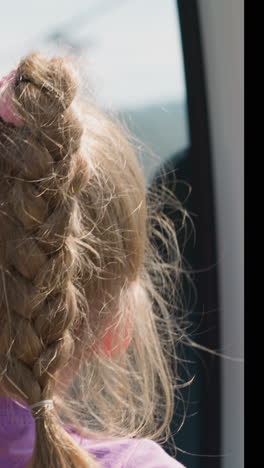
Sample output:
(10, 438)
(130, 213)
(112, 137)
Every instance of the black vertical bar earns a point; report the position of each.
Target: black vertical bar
(205, 251)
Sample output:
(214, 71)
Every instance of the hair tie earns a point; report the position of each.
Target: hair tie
(42, 403)
(7, 112)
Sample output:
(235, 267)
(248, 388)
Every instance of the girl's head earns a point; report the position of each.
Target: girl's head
(82, 320)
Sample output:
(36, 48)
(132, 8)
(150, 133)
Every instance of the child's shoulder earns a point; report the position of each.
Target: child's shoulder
(146, 453)
(128, 453)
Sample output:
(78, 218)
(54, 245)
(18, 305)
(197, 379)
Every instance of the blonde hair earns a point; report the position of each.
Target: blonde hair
(78, 258)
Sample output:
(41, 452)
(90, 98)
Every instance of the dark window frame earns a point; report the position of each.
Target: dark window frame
(203, 205)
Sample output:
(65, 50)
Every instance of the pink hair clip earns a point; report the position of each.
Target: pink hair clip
(7, 112)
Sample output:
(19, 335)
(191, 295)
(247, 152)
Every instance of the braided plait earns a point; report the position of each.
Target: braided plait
(38, 250)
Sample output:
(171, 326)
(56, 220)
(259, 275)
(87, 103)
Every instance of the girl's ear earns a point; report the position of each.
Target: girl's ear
(113, 344)
(117, 338)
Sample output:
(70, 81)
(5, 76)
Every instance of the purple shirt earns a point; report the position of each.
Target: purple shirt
(17, 436)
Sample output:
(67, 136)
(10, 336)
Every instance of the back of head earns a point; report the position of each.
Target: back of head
(77, 291)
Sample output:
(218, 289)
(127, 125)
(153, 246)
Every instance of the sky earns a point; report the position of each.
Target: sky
(130, 49)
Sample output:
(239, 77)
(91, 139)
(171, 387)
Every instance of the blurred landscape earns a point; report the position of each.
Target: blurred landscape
(162, 128)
